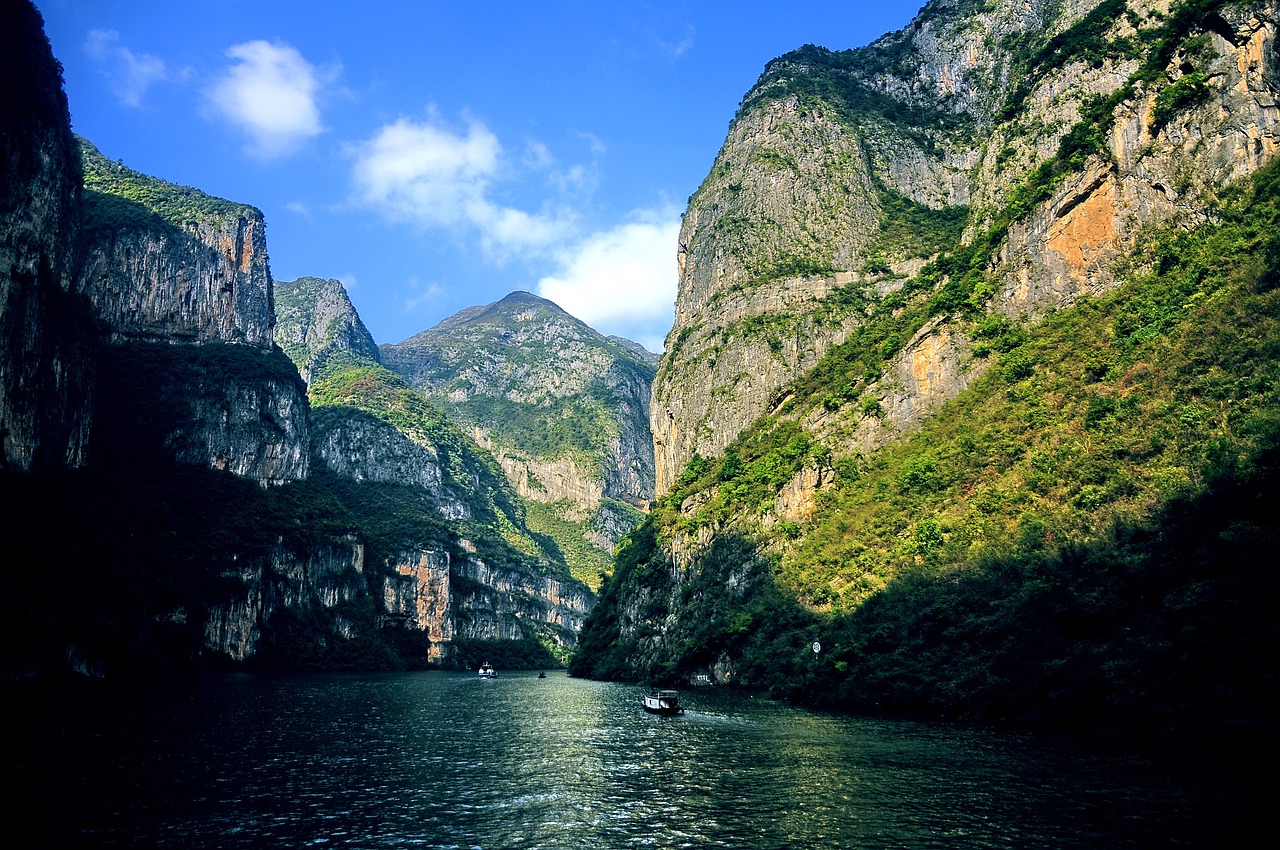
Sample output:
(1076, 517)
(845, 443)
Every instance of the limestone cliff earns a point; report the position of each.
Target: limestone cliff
(46, 338)
(170, 263)
(469, 599)
(315, 582)
(183, 277)
(799, 228)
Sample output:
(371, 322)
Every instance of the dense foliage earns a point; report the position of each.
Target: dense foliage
(1081, 538)
(119, 198)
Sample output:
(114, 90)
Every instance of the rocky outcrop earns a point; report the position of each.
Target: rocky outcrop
(362, 447)
(316, 323)
(319, 581)
(47, 365)
(418, 596)
(255, 429)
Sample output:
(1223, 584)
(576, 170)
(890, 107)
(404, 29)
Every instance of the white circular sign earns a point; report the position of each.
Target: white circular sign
(817, 647)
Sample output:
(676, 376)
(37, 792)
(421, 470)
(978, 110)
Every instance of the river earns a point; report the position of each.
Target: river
(445, 760)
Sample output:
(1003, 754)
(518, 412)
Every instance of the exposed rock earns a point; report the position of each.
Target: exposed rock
(169, 263)
(468, 599)
(321, 579)
(419, 594)
(255, 429)
(46, 337)
(316, 323)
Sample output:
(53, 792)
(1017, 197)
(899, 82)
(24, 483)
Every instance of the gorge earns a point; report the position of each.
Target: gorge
(969, 408)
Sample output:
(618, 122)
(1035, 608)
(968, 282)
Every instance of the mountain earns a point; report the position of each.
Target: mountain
(563, 408)
(46, 364)
(969, 407)
(316, 324)
(174, 498)
(492, 577)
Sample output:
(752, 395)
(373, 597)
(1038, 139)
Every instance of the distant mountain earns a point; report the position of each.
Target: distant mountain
(563, 408)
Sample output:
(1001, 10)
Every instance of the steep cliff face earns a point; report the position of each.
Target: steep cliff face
(317, 582)
(181, 281)
(46, 338)
(170, 263)
(468, 599)
(974, 360)
(842, 169)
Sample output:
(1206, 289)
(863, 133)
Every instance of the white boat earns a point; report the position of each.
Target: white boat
(487, 671)
(663, 702)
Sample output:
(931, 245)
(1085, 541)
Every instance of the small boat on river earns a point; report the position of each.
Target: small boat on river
(663, 702)
(487, 671)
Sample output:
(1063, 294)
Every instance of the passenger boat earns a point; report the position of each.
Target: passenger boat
(663, 702)
(487, 671)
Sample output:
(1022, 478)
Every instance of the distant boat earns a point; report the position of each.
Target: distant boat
(663, 702)
(487, 671)
(541, 675)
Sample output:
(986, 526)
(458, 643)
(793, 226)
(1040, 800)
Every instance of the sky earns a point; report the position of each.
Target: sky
(438, 155)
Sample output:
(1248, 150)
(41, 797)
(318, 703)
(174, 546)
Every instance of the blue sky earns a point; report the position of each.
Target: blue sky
(438, 155)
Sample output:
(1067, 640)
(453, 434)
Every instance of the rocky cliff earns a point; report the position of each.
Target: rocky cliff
(46, 356)
(368, 425)
(843, 171)
(177, 275)
(170, 263)
(975, 334)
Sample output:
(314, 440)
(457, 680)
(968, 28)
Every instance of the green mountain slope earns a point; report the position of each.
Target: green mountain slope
(350, 390)
(1025, 466)
(563, 408)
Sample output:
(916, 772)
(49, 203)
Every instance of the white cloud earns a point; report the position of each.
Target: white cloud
(421, 294)
(676, 49)
(622, 281)
(271, 94)
(427, 174)
(129, 74)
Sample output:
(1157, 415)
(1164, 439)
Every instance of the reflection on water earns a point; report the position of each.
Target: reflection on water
(443, 760)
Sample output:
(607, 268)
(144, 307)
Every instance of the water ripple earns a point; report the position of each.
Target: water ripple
(442, 761)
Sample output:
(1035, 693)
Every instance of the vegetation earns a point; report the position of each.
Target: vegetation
(525, 654)
(841, 81)
(911, 229)
(1064, 543)
(119, 198)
